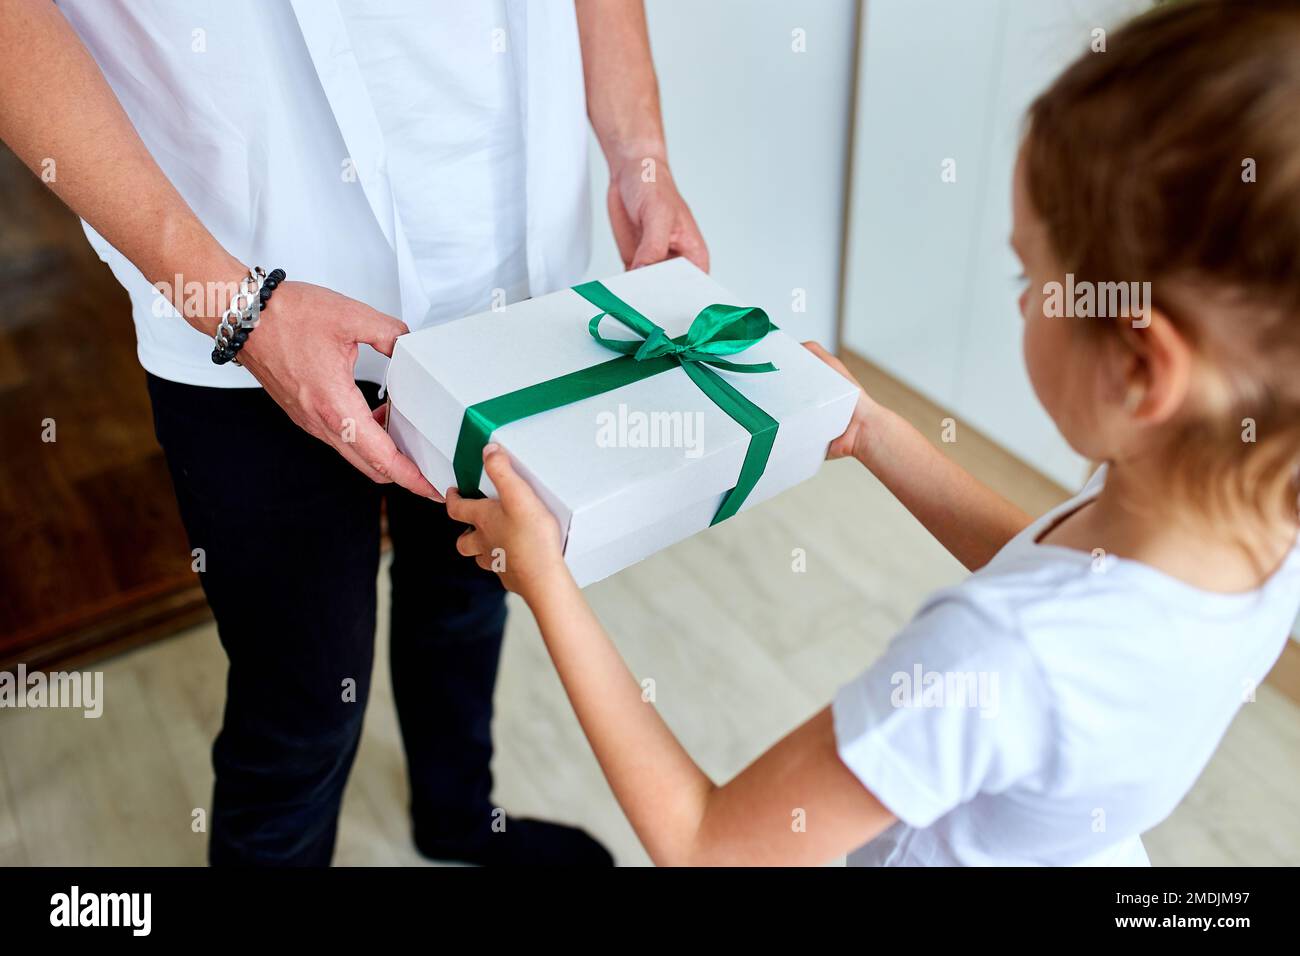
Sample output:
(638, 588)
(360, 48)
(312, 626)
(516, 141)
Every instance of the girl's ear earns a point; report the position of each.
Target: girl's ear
(1159, 370)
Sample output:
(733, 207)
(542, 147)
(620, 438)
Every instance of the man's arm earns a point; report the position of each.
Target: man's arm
(56, 105)
(651, 221)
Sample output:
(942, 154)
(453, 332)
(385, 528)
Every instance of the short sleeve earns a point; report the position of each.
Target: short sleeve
(956, 706)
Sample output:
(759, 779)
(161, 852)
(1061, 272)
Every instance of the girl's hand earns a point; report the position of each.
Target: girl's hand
(853, 443)
(515, 535)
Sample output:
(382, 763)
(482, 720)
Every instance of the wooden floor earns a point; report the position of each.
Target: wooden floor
(735, 667)
(91, 545)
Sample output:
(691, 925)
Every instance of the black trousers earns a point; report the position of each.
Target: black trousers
(289, 535)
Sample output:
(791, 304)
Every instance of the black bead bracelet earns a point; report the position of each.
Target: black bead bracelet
(244, 313)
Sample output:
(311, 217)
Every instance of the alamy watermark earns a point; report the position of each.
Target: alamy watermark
(1098, 300)
(192, 298)
(631, 428)
(77, 690)
(920, 688)
(133, 911)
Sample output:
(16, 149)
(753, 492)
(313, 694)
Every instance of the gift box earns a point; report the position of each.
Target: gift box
(641, 409)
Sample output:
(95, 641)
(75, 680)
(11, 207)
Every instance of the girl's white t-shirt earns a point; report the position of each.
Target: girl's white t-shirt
(1054, 705)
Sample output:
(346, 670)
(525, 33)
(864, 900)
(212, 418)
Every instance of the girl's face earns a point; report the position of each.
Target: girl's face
(1064, 365)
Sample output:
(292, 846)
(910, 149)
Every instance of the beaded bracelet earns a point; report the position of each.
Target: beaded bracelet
(243, 314)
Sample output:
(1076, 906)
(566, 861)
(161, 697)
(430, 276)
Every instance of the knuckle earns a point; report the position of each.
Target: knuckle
(378, 458)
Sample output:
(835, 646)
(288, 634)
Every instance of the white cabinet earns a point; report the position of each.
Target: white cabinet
(931, 284)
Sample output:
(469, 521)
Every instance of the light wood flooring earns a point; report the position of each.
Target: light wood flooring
(735, 666)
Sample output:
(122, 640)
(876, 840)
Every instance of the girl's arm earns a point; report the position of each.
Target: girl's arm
(967, 517)
(797, 804)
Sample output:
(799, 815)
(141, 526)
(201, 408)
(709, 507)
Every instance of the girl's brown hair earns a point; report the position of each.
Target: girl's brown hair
(1174, 157)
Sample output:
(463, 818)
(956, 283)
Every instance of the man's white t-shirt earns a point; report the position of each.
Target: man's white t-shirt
(444, 91)
(414, 155)
(1054, 705)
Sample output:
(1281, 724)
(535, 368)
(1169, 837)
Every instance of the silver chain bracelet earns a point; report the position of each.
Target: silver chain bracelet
(243, 312)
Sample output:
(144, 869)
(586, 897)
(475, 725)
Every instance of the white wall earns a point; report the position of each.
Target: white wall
(757, 142)
(931, 292)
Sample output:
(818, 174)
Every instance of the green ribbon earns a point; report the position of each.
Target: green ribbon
(717, 331)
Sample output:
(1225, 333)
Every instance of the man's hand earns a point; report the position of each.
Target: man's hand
(650, 219)
(303, 352)
(515, 535)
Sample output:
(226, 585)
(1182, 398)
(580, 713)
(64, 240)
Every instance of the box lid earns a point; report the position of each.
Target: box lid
(613, 455)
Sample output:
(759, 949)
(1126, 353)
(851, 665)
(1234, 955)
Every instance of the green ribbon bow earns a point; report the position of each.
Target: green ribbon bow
(718, 330)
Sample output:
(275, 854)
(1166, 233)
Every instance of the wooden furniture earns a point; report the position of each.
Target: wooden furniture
(92, 554)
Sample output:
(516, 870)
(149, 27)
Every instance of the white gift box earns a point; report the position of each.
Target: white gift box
(630, 471)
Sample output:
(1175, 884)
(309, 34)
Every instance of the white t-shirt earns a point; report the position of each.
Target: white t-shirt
(343, 141)
(1054, 705)
(444, 91)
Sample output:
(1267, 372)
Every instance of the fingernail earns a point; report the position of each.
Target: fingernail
(490, 447)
